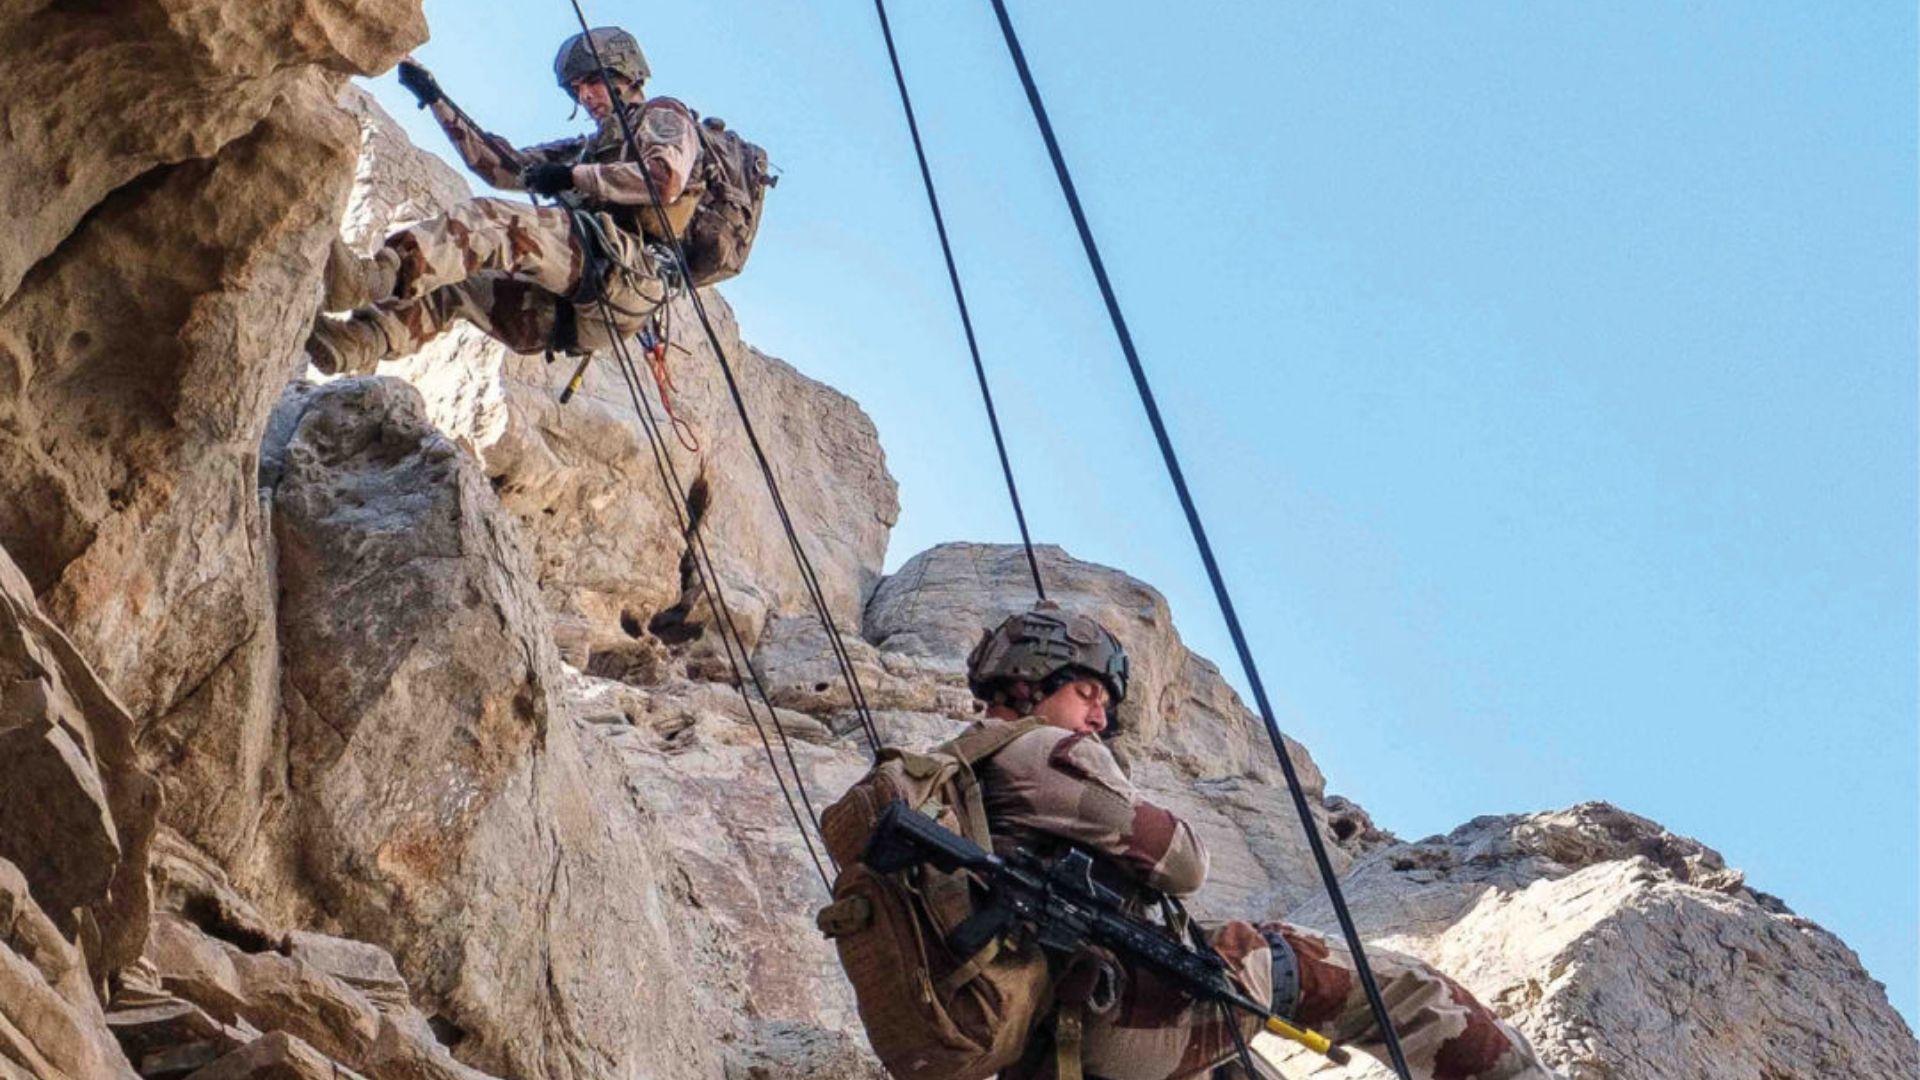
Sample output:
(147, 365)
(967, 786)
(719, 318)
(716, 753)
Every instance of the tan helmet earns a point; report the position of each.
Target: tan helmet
(1038, 645)
(617, 49)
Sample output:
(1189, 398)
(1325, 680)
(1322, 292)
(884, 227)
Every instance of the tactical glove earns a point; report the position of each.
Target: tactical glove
(421, 82)
(547, 178)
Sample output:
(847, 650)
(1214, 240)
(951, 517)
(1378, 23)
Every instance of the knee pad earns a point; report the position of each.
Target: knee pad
(1286, 974)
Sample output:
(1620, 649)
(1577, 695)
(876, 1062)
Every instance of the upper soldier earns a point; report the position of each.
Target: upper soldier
(1060, 785)
(517, 271)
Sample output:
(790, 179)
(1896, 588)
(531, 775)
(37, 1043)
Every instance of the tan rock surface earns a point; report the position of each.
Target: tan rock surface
(440, 798)
(77, 812)
(1625, 951)
(102, 95)
(139, 362)
(51, 1024)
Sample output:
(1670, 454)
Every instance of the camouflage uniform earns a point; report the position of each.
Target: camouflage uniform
(1051, 787)
(505, 265)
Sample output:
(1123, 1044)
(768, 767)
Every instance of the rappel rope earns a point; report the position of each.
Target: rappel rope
(960, 299)
(808, 576)
(1242, 1051)
(730, 636)
(1327, 875)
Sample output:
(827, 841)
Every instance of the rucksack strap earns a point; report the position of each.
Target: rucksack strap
(985, 740)
(968, 750)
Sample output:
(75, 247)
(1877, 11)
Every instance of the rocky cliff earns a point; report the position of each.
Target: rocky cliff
(379, 727)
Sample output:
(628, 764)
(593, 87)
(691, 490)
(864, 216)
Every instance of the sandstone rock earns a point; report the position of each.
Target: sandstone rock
(1623, 950)
(172, 1038)
(99, 97)
(277, 1056)
(76, 810)
(51, 1023)
(191, 886)
(441, 806)
(743, 875)
(197, 967)
(367, 968)
(279, 993)
(343, 997)
(141, 358)
(796, 664)
(1353, 829)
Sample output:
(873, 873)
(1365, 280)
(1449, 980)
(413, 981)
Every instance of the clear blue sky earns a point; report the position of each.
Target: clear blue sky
(1546, 371)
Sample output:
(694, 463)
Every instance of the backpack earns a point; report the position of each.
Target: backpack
(734, 173)
(930, 1015)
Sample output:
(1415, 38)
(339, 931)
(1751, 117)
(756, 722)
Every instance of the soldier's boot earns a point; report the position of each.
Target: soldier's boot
(352, 281)
(352, 345)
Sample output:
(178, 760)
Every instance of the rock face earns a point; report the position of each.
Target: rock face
(76, 818)
(99, 97)
(1626, 951)
(380, 727)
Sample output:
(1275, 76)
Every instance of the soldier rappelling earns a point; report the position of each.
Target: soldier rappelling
(569, 277)
(1049, 992)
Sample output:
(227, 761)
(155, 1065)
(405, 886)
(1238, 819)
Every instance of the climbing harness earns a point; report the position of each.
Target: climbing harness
(1328, 877)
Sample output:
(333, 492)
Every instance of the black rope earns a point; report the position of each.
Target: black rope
(809, 579)
(960, 298)
(730, 636)
(1327, 875)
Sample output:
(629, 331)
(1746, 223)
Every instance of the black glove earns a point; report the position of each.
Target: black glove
(547, 178)
(421, 82)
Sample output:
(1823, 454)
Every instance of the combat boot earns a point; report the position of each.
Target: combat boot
(352, 281)
(353, 345)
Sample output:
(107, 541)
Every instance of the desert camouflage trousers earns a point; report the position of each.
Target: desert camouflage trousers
(503, 266)
(1152, 1031)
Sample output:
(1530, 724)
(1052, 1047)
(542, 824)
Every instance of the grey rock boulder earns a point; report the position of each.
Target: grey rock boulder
(1624, 950)
(441, 805)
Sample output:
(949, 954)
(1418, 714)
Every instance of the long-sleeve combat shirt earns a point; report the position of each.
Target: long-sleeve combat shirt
(1051, 785)
(603, 170)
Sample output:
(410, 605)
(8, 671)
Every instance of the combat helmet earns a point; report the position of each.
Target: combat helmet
(1046, 647)
(618, 50)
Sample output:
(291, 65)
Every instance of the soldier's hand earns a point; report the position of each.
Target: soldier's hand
(420, 82)
(547, 178)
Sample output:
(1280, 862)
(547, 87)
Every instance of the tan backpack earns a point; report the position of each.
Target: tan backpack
(931, 1015)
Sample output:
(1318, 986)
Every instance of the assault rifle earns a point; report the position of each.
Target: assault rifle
(1063, 909)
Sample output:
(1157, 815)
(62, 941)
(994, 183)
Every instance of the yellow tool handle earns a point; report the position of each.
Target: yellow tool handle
(1312, 1040)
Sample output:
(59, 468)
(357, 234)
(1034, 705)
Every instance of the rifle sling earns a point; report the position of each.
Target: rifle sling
(965, 973)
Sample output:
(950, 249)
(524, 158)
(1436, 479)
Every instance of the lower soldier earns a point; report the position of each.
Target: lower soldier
(531, 277)
(1059, 785)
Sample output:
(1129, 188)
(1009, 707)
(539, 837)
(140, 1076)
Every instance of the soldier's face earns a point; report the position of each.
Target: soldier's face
(1080, 706)
(591, 93)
